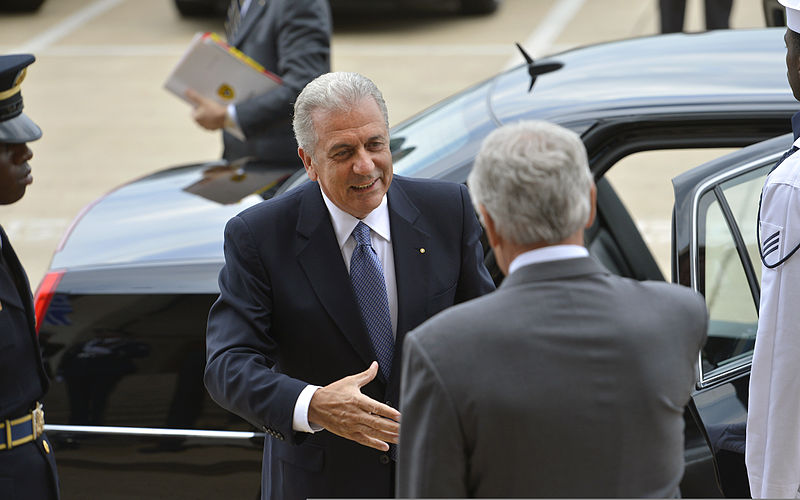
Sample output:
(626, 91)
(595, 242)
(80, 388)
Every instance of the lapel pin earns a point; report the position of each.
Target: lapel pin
(421, 250)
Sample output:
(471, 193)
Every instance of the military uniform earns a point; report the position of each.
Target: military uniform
(27, 462)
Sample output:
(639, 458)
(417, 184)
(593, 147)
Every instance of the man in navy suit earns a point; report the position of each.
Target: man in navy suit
(291, 344)
(27, 464)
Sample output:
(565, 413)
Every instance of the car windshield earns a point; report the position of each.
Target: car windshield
(443, 136)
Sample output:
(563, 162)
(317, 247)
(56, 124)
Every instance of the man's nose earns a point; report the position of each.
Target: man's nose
(22, 153)
(363, 164)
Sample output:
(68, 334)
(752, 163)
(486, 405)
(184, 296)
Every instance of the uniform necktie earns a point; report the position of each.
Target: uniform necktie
(366, 275)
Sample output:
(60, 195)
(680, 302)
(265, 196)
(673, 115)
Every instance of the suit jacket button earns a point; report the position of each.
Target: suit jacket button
(384, 459)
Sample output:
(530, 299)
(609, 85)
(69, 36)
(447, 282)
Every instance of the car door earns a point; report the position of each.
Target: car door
(715, 252)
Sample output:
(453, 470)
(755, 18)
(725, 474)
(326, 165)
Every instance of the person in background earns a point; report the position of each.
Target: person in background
(772, 448)
(673, 12)
(290, 38)
(27, 462)
(568, 381)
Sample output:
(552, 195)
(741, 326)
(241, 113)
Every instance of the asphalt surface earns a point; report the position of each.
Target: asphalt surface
(97, 86)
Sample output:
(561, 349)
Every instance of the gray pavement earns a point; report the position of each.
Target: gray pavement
(97, 86)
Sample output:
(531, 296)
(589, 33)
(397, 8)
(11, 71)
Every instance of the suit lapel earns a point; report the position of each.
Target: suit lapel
(411, 268)
(251, 18)
(321, 260)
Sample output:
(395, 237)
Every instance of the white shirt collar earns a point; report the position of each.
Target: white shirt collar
(546, 254)
(344, 223)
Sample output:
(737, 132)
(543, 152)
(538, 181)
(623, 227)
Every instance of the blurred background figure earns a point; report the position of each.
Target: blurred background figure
(27, 463)
(290, 38)
(673, 12)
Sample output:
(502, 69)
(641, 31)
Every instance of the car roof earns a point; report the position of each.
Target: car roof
(738, 72)
(718, 72)
(715, 68)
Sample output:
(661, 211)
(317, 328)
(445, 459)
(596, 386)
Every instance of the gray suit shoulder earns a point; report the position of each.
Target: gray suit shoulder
(458, 321)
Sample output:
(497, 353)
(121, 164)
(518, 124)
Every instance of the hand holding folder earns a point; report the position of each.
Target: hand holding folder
(219, 72)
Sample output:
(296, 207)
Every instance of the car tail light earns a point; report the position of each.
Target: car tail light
(44, 294)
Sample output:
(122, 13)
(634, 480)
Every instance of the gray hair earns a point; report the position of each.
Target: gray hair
(533, 179)
(330, 92)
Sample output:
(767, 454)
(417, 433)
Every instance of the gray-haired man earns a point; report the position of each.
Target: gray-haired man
(325, 280)
(567, 381)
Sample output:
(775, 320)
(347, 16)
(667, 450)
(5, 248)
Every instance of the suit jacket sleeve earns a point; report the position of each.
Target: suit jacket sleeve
(431, 461)
(474, 280)
(303, 46)
(240, 348)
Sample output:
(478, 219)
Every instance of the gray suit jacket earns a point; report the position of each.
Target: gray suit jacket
(567, 381)
(290, 38)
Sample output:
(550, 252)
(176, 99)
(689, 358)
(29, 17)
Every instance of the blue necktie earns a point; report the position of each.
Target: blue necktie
(366, 275)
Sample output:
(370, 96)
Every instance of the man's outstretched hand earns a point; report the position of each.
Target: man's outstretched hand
(341, 408)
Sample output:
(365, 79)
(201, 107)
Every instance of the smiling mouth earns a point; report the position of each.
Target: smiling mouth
(365, 186)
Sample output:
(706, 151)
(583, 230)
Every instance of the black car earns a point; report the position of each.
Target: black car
(122, 310)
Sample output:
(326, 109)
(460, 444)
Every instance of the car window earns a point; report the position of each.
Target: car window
(642, 182)
(729, 269)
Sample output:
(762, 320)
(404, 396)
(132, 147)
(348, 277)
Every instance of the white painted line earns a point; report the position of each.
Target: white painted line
(67, 26)
(417, 50)
(36, 229)
(343, 50)
(541, 40)
(114, 50)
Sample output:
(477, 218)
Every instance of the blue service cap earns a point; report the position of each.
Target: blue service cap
(15, 126)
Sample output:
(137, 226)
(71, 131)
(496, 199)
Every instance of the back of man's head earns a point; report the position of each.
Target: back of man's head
(331, 92)
(533, 180)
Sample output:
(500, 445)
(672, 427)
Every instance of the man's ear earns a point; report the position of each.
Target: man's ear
(308, 163)
(488, 224)
(592, 206)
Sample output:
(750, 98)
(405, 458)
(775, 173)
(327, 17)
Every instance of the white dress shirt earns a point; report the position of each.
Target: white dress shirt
(380, 235)
(547, 254)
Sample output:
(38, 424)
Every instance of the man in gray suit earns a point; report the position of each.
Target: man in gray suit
(567, 381)
(290, 38)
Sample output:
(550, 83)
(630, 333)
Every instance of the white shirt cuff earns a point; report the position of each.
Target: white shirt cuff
(232, 125)
(300, 421)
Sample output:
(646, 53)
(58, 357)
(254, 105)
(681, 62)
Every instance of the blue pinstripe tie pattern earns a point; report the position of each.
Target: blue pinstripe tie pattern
(366, 275)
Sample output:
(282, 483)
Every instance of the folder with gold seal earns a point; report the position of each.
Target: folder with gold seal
(218, 71)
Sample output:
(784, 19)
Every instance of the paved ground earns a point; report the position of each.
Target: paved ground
(96, 88)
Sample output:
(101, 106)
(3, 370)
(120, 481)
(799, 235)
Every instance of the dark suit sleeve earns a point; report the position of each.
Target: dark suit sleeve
(302, 43)
(431, 461)
(474, 280)
(240, 348)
